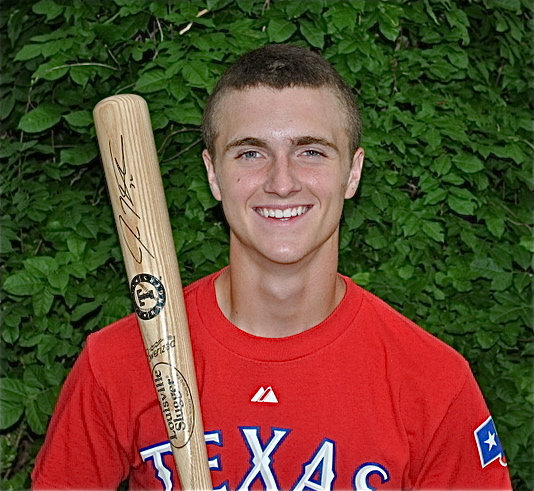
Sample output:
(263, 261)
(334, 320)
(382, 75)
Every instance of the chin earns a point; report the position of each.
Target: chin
(285, 256)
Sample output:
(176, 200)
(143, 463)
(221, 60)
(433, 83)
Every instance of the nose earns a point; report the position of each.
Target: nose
(282, 178)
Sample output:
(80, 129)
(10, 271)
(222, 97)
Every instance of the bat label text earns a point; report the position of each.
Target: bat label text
(176, 403)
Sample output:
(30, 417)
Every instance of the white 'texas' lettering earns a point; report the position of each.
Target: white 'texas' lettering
(155, 453)
(318, 473)
(361, 478)
(261, 457)
(322, 462)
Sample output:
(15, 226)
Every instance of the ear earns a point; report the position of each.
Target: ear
(355, 173)
(212, 176)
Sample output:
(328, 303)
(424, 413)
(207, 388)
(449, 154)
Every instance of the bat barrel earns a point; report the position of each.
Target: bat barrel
(137, 196)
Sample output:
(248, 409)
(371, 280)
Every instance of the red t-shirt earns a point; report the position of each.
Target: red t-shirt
(366, 399)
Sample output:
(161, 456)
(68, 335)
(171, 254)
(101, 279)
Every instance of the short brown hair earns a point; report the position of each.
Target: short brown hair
(281, 66)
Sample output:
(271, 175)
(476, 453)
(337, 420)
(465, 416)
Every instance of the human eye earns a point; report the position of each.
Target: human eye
(313, 153)
(249, 155)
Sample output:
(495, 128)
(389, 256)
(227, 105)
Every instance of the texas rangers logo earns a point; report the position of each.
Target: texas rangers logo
(148, 295)
(488, 443)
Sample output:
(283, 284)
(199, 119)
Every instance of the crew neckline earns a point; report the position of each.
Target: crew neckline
(283, 349)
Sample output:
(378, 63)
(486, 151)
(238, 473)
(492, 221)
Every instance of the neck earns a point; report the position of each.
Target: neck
(278, 300)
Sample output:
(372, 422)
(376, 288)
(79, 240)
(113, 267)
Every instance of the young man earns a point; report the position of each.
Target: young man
(306, 380)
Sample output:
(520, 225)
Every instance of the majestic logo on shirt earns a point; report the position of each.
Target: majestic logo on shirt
(148, 295)
(265, 395)
(488, 443)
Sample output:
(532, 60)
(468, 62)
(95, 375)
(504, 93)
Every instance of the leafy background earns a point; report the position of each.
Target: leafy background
(441, 227)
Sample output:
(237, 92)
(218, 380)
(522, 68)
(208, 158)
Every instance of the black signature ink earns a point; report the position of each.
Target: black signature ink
(127, 204)
(137, 236)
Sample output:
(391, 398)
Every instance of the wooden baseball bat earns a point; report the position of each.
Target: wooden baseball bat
(136, 191)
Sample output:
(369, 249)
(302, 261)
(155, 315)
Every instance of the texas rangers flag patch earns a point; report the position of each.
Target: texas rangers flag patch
(488, 443)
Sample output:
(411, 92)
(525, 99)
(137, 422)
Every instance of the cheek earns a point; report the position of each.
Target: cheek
(328, 185)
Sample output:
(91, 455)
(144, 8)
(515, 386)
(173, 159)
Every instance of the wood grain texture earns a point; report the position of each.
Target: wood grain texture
(136, 191)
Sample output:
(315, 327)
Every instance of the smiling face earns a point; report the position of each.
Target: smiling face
(282, 172)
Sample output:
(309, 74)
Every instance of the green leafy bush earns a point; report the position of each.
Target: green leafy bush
(441, 227)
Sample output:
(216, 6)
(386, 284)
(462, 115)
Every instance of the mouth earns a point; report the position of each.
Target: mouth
(282, 213)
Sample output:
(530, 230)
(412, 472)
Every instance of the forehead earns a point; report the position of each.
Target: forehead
(265, 111)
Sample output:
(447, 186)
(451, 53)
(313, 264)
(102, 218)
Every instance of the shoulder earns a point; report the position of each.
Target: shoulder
(116, 348)
(406, 338)
(123, 335)
(116, 345)
(418, 365)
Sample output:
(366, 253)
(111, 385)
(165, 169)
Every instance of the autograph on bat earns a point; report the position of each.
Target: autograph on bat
(125, 184)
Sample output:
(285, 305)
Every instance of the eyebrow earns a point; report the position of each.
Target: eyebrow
(247, 141)
(313, 140)
(299, 141)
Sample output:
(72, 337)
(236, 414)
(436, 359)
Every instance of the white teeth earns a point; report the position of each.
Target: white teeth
(286, 213)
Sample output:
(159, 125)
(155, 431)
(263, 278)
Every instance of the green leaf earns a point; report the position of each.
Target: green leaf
(435, 196)
(10, 333)
(79, 118)
(313, 35)
(486, 339)
(29, 51)
(501, 281)
(375, 239)
(495, 225)
(22, 283)
(468, 163)
(410, 225)
(361, 279)
(151, 81)
(47, 345)
(196, 74)
(487, 265)
(406, 271)
(83, 309)
(459, 58)
(527, 243)
(433, 230)
(280, 30)
(187, 113)
(76, 246)
(79, 155)
(36, 417)
(40, 266)
(42, 302)
(6, 106)
(442, 165)
(59, 280)
(461, 201)
(41, 118)
(49, 8)
(12, 397)
(81, 74)
(389, 26)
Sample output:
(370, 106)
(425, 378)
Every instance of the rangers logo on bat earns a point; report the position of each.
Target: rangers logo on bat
(148, 294)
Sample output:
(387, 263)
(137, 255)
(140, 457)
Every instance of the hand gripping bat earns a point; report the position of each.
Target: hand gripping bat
(136, 192)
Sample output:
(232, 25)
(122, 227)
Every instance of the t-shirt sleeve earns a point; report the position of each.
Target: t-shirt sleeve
(81, 450)
(465, 451)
